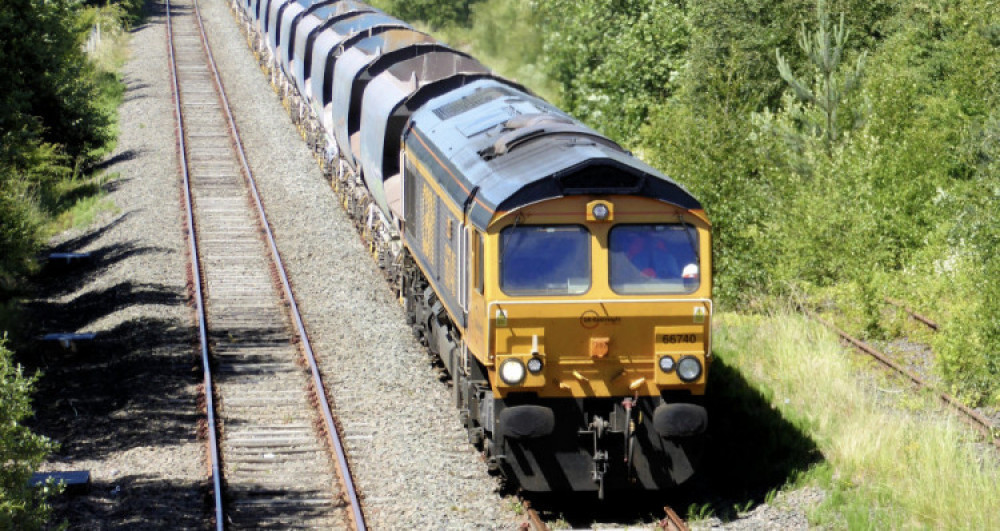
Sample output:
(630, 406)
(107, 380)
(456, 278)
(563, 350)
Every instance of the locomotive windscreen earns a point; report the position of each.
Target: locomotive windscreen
(545, 260)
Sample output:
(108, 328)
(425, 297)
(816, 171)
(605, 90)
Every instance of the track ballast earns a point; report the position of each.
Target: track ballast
(275, 466)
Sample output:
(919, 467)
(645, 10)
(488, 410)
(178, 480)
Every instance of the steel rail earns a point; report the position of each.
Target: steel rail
(357, 514)
(672, 521)
(971, 417)
(535, 521)
(922, 318)
(196, 278)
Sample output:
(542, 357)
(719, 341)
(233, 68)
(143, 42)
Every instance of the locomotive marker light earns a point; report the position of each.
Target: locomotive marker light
(666, 363)
(689, 369)
(535, 365)
(512, 371)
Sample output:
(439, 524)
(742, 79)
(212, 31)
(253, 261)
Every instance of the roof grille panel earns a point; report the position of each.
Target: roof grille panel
(462, 105)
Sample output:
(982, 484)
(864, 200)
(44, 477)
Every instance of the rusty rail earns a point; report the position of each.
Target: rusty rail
(919, 317)
(330, 425)
(672, 521)
(535, 522)
(212, 429)
(971, 417)
(351, 498)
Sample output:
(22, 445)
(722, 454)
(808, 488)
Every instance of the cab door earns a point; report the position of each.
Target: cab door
(475, 335)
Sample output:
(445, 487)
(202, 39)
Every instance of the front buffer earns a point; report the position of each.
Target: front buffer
(595, 444)
(597, 395)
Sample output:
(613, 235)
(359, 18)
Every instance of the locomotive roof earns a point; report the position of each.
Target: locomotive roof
(497, 148)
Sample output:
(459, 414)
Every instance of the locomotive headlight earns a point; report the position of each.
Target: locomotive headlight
(666, 363)
(689, 369)
(535, 365)
(600, 210)
(512, 371)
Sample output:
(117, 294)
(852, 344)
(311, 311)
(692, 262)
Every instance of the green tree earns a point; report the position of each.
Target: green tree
(45, 77)
(51, 124)
(830, 88)
(436, 13)
(615, 59)
(21, 506)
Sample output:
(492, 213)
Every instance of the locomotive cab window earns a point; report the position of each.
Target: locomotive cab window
(654, 259)
(545, 260)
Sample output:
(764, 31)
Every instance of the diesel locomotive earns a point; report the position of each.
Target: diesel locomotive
(564, 284)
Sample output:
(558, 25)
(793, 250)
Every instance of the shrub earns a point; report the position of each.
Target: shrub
(21, 451)
(436, 13)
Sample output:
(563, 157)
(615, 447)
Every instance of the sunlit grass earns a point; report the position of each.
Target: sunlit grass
(83, 213)
(79, 203)
(886, 465)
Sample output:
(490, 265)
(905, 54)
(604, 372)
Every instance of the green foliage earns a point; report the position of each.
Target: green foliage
(21, 507)
(615, 59)
(45, 75)
(80, 201)
(18, 227)
(939, 82)
(116, 14)
(436, 13)
(56, 114)
(830, 88)
(818, 180)
(969, 345)
(27, 166)
(504, 36)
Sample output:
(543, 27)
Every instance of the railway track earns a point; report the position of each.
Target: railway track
(672, 521)
(271, 430)
(974, 419)
(933, 325)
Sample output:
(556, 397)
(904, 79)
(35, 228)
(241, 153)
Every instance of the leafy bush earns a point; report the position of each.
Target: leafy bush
(436, 13)
(891, 190)
(21, 506)
(56, 116)
(614, 59)
(45, 75)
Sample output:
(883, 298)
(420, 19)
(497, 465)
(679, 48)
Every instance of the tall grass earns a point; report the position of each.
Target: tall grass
(891, 460)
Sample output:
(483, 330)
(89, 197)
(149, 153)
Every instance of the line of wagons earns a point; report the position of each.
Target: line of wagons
(564, 284)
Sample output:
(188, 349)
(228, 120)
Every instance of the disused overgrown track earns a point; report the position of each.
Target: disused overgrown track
(265, 448)
(971, 417)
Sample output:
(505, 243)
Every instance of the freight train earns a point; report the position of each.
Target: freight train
(564, 284)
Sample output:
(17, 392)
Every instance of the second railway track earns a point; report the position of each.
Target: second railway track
(275, 467)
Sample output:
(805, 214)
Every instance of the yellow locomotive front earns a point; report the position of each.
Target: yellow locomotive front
(565, 286)
(594, 315)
